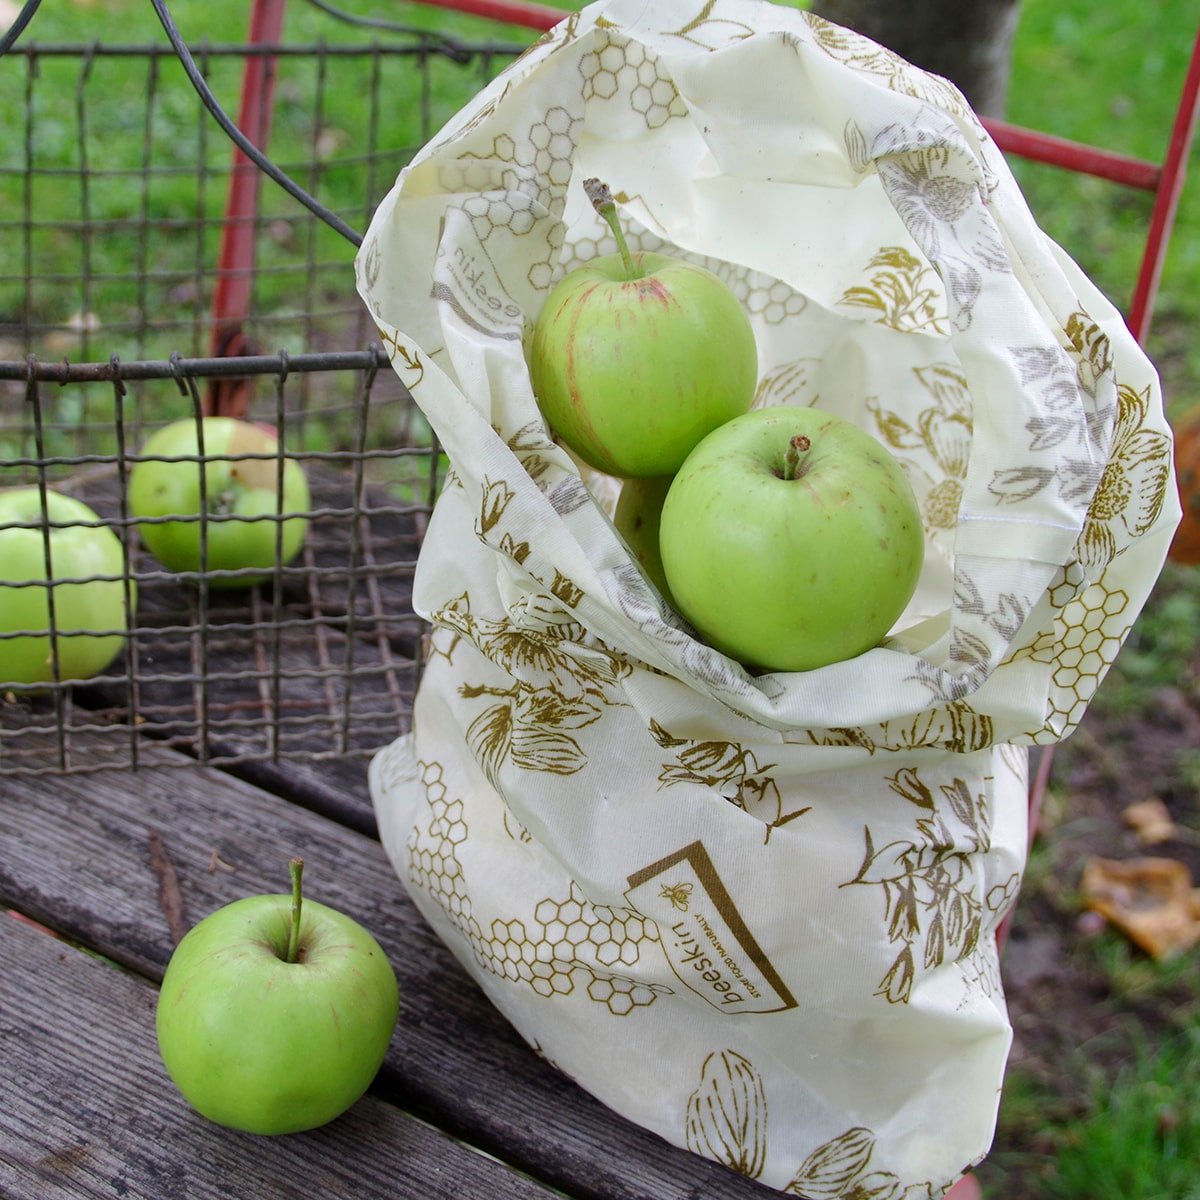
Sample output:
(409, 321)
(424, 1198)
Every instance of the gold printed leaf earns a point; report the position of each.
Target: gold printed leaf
(896, 257)
(490, 737)
(517, 551)
(496, 498)
(962, 803)
(863, 297)
(1017, 484)
(948, 386)
(1090, 343)
(718, 31)
(948, 437)
(519, 650)
(848, 735)
(714, 762)
(857, 150)
(907, 783)
(566, 590)
(935, 942)
(545, 708)
(894, 430)
(663, 737)
(830, 1170)
(896, 986)
(547, 750)
(969, 730)
(792, 383)
(727, 1114)
(882, 1185)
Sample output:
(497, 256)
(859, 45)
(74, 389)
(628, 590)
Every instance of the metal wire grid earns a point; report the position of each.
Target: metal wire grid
(322, 661)
(143, 230)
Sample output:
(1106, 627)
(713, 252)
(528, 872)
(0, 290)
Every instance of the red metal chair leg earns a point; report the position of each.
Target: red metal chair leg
(1166, 200)
(967, 1188)
(235, 267)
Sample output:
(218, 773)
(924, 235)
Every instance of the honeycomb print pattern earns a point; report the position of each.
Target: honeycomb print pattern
(1090, 627)
(620, 68)
(535, 172)
(762, 296)
(569, 945)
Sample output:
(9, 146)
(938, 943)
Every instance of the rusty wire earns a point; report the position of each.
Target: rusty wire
(320, 662)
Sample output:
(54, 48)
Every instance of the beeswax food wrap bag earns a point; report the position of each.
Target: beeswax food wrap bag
(755, 913)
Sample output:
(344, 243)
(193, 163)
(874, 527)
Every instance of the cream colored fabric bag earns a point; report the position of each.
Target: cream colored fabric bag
(756, 914)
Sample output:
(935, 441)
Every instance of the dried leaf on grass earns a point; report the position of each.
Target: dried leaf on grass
(1151, 900)
(1150, 821)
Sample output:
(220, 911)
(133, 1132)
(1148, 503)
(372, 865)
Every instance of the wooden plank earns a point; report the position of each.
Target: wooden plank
(86, 1108)
(76, 854)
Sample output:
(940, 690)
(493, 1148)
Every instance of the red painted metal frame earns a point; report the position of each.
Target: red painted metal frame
(1166, 203)
(235, 265)
(511, 12)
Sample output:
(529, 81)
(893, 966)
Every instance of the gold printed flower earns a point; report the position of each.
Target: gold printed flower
(927, 193)
(729, 769)
(903, 290)
(941, 437)
(1132, 488)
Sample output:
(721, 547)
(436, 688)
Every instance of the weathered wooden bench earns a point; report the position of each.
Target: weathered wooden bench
(103, 870)
(113, 866)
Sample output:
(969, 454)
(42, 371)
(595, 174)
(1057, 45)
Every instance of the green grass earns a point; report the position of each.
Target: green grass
(1109, 75)
(1133, 1135)
(113, 178)
(1141, 1137)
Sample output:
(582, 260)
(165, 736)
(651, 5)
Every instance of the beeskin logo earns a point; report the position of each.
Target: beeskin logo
(706, 941)
(465, 278)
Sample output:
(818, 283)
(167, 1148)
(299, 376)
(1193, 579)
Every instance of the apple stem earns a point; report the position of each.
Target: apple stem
(798, 447)
(601, 196)
(296, 867)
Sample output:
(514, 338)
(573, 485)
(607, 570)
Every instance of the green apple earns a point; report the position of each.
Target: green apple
(81, 548)
(240, 492)
(635, 357)
(275, 1013)
(637, 516)
(791, 539)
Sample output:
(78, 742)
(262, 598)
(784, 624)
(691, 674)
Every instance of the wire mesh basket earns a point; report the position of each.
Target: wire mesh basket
(150, 276)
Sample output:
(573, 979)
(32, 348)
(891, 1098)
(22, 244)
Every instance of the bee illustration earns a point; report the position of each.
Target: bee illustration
(678, 894)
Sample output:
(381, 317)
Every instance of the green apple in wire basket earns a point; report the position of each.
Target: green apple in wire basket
(86, 585)
(635, 357)
(247, 525)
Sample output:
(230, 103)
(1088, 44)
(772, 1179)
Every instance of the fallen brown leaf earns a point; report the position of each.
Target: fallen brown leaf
(170, 895)
(1150, 821)
(1151, 900)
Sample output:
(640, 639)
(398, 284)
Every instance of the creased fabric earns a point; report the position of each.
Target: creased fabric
(755, 913)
